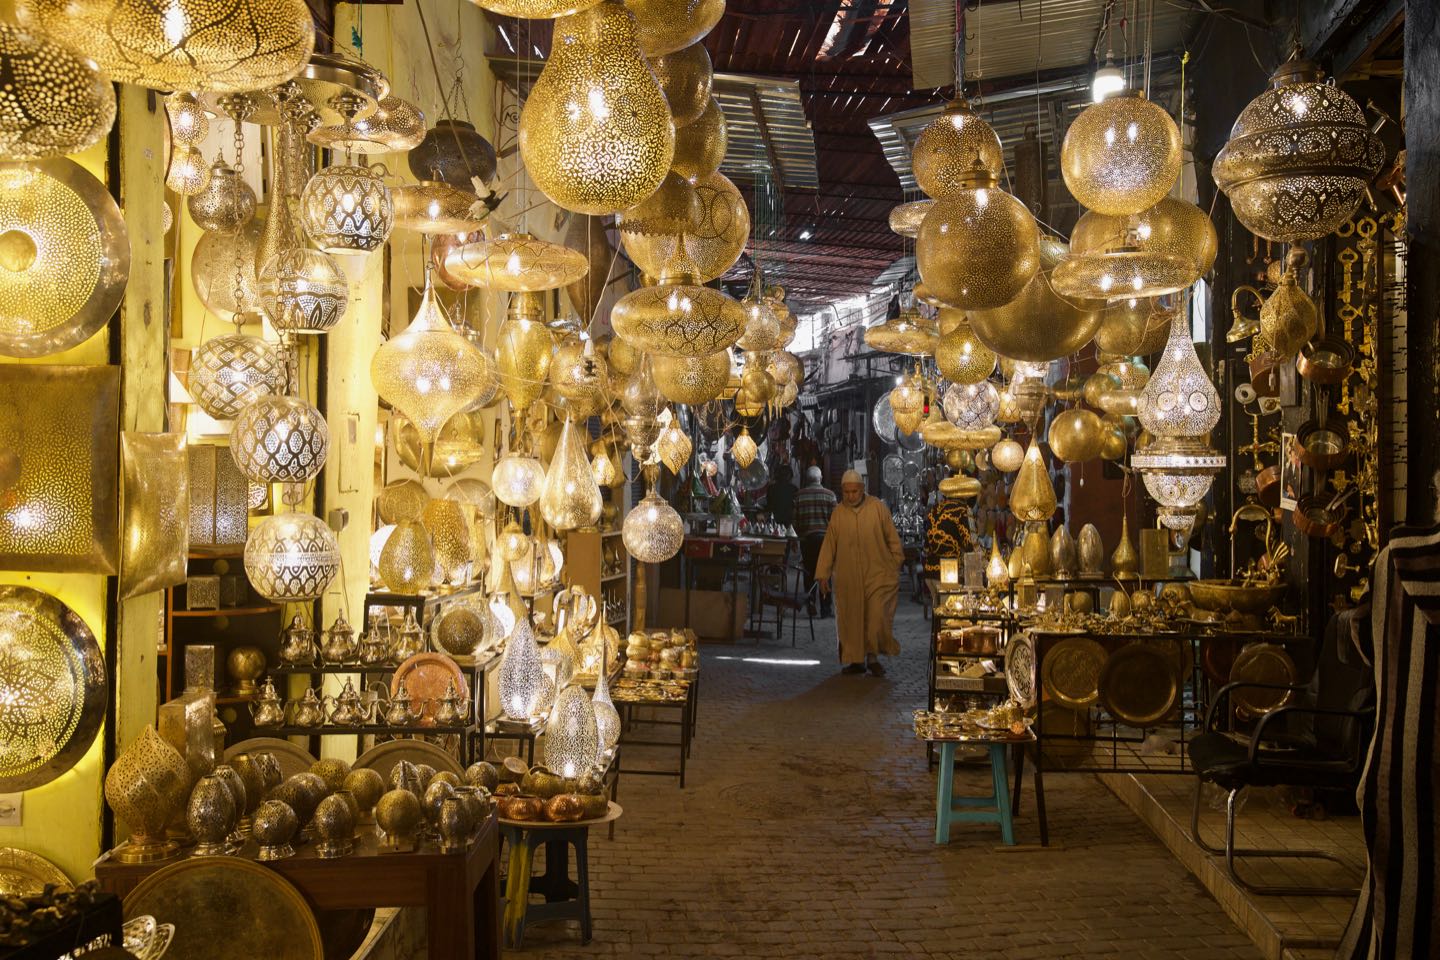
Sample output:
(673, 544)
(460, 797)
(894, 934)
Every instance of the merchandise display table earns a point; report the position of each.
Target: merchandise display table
(459, 891)
(630, 696)
(565, 899)
(950, 809)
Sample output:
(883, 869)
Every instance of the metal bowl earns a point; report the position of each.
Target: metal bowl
(1225, 596)
(1321, 448)
(1326, 360)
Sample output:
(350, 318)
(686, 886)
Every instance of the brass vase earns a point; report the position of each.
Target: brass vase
(210, 816)
(1036, 550)
(145, 787)
(1091, 552)
(1064, 555)
(1125, 561)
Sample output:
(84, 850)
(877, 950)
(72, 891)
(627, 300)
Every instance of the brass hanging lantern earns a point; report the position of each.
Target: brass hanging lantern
(905, 218)
(653, 532)
(1125, 560)
(433, 207)
(1121, 155)
(523, 351)
(578, 377)
(189, 122)
(1007, 456)
(1161, 250)
(228, 373)
(595, 133)
(291, 557)
(764, 329)
(455, 152)
(700, 145)
(213, 272)
(667, 212)
(407, 561)
(978, 247)
(517, 480)
(188, 172)
(303, 290)
(231, 46)
(459, 445)
(971, 406)
(1288, 317)
(516, 262)
(56, 102)
(665, 26)
(1299, 157)
(1124, 326)
(678, 318)
(685, 76)
(226, 204)
(692, 380)
(961, 357)
(570, 497)
(347, 209)
(1179, 400)
(909, 332)
(949, 145)
(743, 449)
(1076, 435)
(1032, 498)
(1039, 325)
(674, 447)
(280, 439)
(536, 9)
(717, 237)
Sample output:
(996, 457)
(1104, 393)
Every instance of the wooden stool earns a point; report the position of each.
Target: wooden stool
(565, 899)
(946, 803)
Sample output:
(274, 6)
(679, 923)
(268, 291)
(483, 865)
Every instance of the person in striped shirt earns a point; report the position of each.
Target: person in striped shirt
(813, 505)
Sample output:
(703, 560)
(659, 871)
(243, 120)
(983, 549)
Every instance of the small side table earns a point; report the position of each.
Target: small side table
(950, 809)
(564, 899)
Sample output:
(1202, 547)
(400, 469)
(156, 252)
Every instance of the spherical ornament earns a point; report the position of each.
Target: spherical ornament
(229, 373)
(700, 145)
(233, 46)
(407, 561)
(1039, 325)
(347, 209)
(950, 146)
(743, 450)
(1121, 155)
(226, 204)
(402, 500)
(219, 260)
(517, 481)
(905, 218)
(1113, 446)
(1006, 456)
(692, 380)
(303, 290)
(717, 237)
(669, 25)
(1076, 435)
(971, 406)
(962, 358)
(653, 531)
(1179, 400)
(678, 318)
(279, 439)
(763, 327)
(1158, 251)
(978, 247)
(429, 372)
(291, 557)
(570, 497)
(1299, 157)
(685, 76)
(55, 102)
(188, 172)
(595, 133)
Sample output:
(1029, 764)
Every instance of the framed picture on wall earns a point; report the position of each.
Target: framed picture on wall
(1289, 472)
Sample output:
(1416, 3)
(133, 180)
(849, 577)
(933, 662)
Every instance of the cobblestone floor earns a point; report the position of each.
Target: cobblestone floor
(806, 830)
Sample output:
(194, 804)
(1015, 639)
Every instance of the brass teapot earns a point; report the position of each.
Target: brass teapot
(297, 643)
(345, 708)
(400, 710)
(308, 711)
(338, 643)
(410, 640)
(1288, 318)
(451, 710)
(374, 648)
(266, 710)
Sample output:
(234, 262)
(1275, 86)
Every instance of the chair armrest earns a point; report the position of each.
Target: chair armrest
(1223, 694)
(1312, 711)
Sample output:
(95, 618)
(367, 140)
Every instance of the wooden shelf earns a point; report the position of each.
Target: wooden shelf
(235, 698)
(226, 612)
(612, 577)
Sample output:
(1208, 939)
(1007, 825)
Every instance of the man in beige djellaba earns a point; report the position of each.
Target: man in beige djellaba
(862, 551)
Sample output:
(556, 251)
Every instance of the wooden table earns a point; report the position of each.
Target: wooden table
(459, 891)
(627, 700)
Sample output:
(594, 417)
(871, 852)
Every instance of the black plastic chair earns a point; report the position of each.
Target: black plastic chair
(1295, 761)
(782, 587)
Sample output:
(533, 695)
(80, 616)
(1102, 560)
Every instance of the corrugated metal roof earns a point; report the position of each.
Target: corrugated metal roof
(766, 125)
(932, 43)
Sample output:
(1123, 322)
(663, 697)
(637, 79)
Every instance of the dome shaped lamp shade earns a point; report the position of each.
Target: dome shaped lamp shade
(1158, 251)
(516, 262)
(536, 9)
(57, 101)
(1299, 157)
(572, 739)
(303, 290)
(280, 439)
(909, 333)
(1039, 325)
(947, 147)
(653, 531)
(222, 46)
(678, 318)
(1121, 155)
(570, 497)
(429, 372)
(347, 209)
(291, 557)
(905, 218)
(1179, 400)
(978, 247)
(229, 373)
(692, 380)
(596, 134)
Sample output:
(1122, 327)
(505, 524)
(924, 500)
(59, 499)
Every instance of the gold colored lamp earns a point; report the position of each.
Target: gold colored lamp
(154, 510)
(1160, 250)
(1121, 155)
(700, 145)
(57, 102)
(1033, 496)
(434, 207)
(948, 146)
(1039, 325)
(978, 247)
(910, 333)
(678, 318)
(692, 380)
(516, 262)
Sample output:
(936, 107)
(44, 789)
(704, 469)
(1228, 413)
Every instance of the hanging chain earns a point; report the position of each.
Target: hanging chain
(238, 107)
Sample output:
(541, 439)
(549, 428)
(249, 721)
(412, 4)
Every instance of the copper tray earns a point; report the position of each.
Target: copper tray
(1140, 684)
(1071, 673)
(1261, 663)
(226, 908)
(23, 873)
(426, 676)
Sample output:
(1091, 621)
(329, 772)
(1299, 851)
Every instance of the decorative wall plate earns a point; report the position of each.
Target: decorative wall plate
(66, 255)
(62, 422)
(226, 908)
(426, 676)
(1071, 671)
(382, 757)
(23, 873)
(1140, 684)
(154, 511)
(52, 682)
(1261, 663)
(1020, 669)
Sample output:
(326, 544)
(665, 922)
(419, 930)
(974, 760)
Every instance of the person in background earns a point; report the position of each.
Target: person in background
(780, 496)
(947, 533)
(862, 549)
(813, 506)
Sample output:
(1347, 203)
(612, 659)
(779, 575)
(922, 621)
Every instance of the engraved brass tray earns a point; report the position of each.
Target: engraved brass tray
(383, 756)
(1261, 663)
(52, 682)
(1071, 674)
(23, 873)
(226, 908)
(292, 759)
(1140, 684)
(1020, 669)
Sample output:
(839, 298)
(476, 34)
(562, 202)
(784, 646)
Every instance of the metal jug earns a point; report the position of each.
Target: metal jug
(338, 644)
(345, 707)
(308, 711)
(452, 709)
(267, 710)
(297, 643)
(400, 710)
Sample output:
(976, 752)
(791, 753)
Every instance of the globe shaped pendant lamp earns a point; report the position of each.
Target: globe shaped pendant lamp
(1039, 325)
(668, 212)
(653, 531)
(280, 439)
(570, 497)
(1121, 155)
(57, 101)
(700, 145)
(978, 247)
(764, 329)
(1158, 251)
(1179, 400)
(596, 134)
(291, 557)
(536, 9)
(517, 480)
(669, 25)
(678, 318)
(226, 204)
(1007, 456)
(1076, 434)
(347, 209)
(572, 739)
(692, 380)
(686, 77)
(303, 290)
(429, 372)
(1299, 157)
(407, 561)
(521, 677)
(202, 45)
(230, 372)
(946, 148)
(524, 351)
(961, 357)
(971, 406)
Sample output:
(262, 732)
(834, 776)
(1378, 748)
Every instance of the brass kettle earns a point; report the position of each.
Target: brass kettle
(410, 640)
(297, 643)
(338, 643)
(374, 648)
(266, 710)
(308, 711)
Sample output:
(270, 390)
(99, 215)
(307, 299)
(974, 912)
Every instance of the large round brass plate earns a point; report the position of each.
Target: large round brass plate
(382, 757)
(1261, 663)
(52, 688)
(225, 908)
(23, 873)
(1020, 669)
(292, 759)
(64, 256)
(1140, 684)
(1071, 673)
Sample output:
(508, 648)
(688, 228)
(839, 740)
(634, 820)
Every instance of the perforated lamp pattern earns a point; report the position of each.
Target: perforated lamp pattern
(961, 357)
(653, 531)
(1033, 495)
(1179, 400)
(1160, 250)
(291, 557)
(668, 25)
(570, 497)
(1039, 325)
(685, 76)
(56, 102)
(229, 373)
(213, 272)
(572, 740)
(212, 45)
(700, 145)
(521, 678)
(692, 380)
(303, 290)
(607, 718)
(347, 209)
(948, 146)
(517, 481)
(678, 318)
(1121, 155)
(717, 238)
(743, 449)
(971, 406)
(279, 439)
(595, 133)
(674, 447)
(407, 561)
(910, 333)
(517, 262)
(978, 247)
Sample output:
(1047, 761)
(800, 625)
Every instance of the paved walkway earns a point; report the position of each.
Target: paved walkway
(806, 830)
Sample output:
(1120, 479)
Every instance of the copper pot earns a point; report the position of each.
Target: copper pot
(564, 808)
(1326, 360)
(520, 807)
(979, 640)
(1315, 518)
(1267, 486)
(1321, 448)
(1264, 373)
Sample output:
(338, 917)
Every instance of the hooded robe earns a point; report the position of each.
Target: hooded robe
(862, 549)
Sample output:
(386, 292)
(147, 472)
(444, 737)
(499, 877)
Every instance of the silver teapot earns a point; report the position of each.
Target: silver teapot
(410, 640)
(308, 711)
(345, 708)
(297, 643)
(266, 710)
(338, 643)
(451, 710)
(374, 648)
(400, 710)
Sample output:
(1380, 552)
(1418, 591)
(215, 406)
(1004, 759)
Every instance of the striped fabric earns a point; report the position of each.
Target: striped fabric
(1398, 912)
(813, 506)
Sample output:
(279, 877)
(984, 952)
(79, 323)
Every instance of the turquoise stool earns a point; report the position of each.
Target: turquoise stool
(952, 809)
